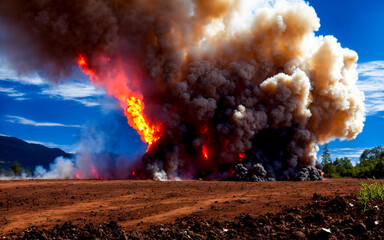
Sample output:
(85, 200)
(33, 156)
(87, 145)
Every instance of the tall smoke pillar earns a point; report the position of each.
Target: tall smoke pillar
(215, 79)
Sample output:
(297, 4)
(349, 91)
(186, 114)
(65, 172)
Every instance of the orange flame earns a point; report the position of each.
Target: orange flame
(134, 109)
(149, 133)
(322, 174)
(84, 66)
(241, 156)
(205, 152)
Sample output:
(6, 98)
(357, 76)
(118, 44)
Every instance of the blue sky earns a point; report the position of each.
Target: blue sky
(62, 115)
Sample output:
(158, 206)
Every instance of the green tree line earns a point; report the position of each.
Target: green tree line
(371, 164)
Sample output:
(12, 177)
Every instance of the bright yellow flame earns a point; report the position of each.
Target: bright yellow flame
(205, 152)
(82, 61)
(150, 134)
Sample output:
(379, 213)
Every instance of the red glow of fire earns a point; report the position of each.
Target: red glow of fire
(77, 174)
(117, 86)
(93, 169)
(241, 156)
(133, 173)
(226, 143)
(204, 130)
(95, 173)
(231, 172)
(84, 66)
(204, 151)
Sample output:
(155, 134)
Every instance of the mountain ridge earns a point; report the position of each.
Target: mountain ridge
(29, 155)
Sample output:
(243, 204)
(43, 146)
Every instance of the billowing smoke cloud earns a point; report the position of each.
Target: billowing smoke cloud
(61, 168)
(231, 89)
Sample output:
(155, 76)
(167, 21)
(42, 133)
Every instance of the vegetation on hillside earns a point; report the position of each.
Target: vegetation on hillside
(18, 157)
(15, 170)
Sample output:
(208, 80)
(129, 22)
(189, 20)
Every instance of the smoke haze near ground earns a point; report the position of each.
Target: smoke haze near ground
(221, 77)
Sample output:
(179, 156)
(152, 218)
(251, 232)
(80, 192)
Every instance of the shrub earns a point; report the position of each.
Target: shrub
(370, 192)
(16, 168)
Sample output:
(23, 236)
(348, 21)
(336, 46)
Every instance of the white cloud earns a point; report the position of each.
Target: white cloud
(81, 92)
(372, 69)
(352, 153)
(372, 83)
(21, 98)
(11, 92)
(75, 91)
(25, 121)
(7, 74)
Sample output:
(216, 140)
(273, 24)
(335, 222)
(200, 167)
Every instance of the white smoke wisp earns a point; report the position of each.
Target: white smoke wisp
(85, 166)
(61, 168)
(7, 177)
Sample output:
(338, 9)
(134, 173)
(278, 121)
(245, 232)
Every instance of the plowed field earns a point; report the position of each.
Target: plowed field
(136, 205)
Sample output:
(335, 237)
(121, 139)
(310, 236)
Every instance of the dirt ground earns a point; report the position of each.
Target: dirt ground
(136, 205)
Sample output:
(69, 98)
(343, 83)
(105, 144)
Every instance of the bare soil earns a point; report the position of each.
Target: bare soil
(137, 205)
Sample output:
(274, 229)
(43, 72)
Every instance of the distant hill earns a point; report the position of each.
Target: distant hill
(29, 155)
